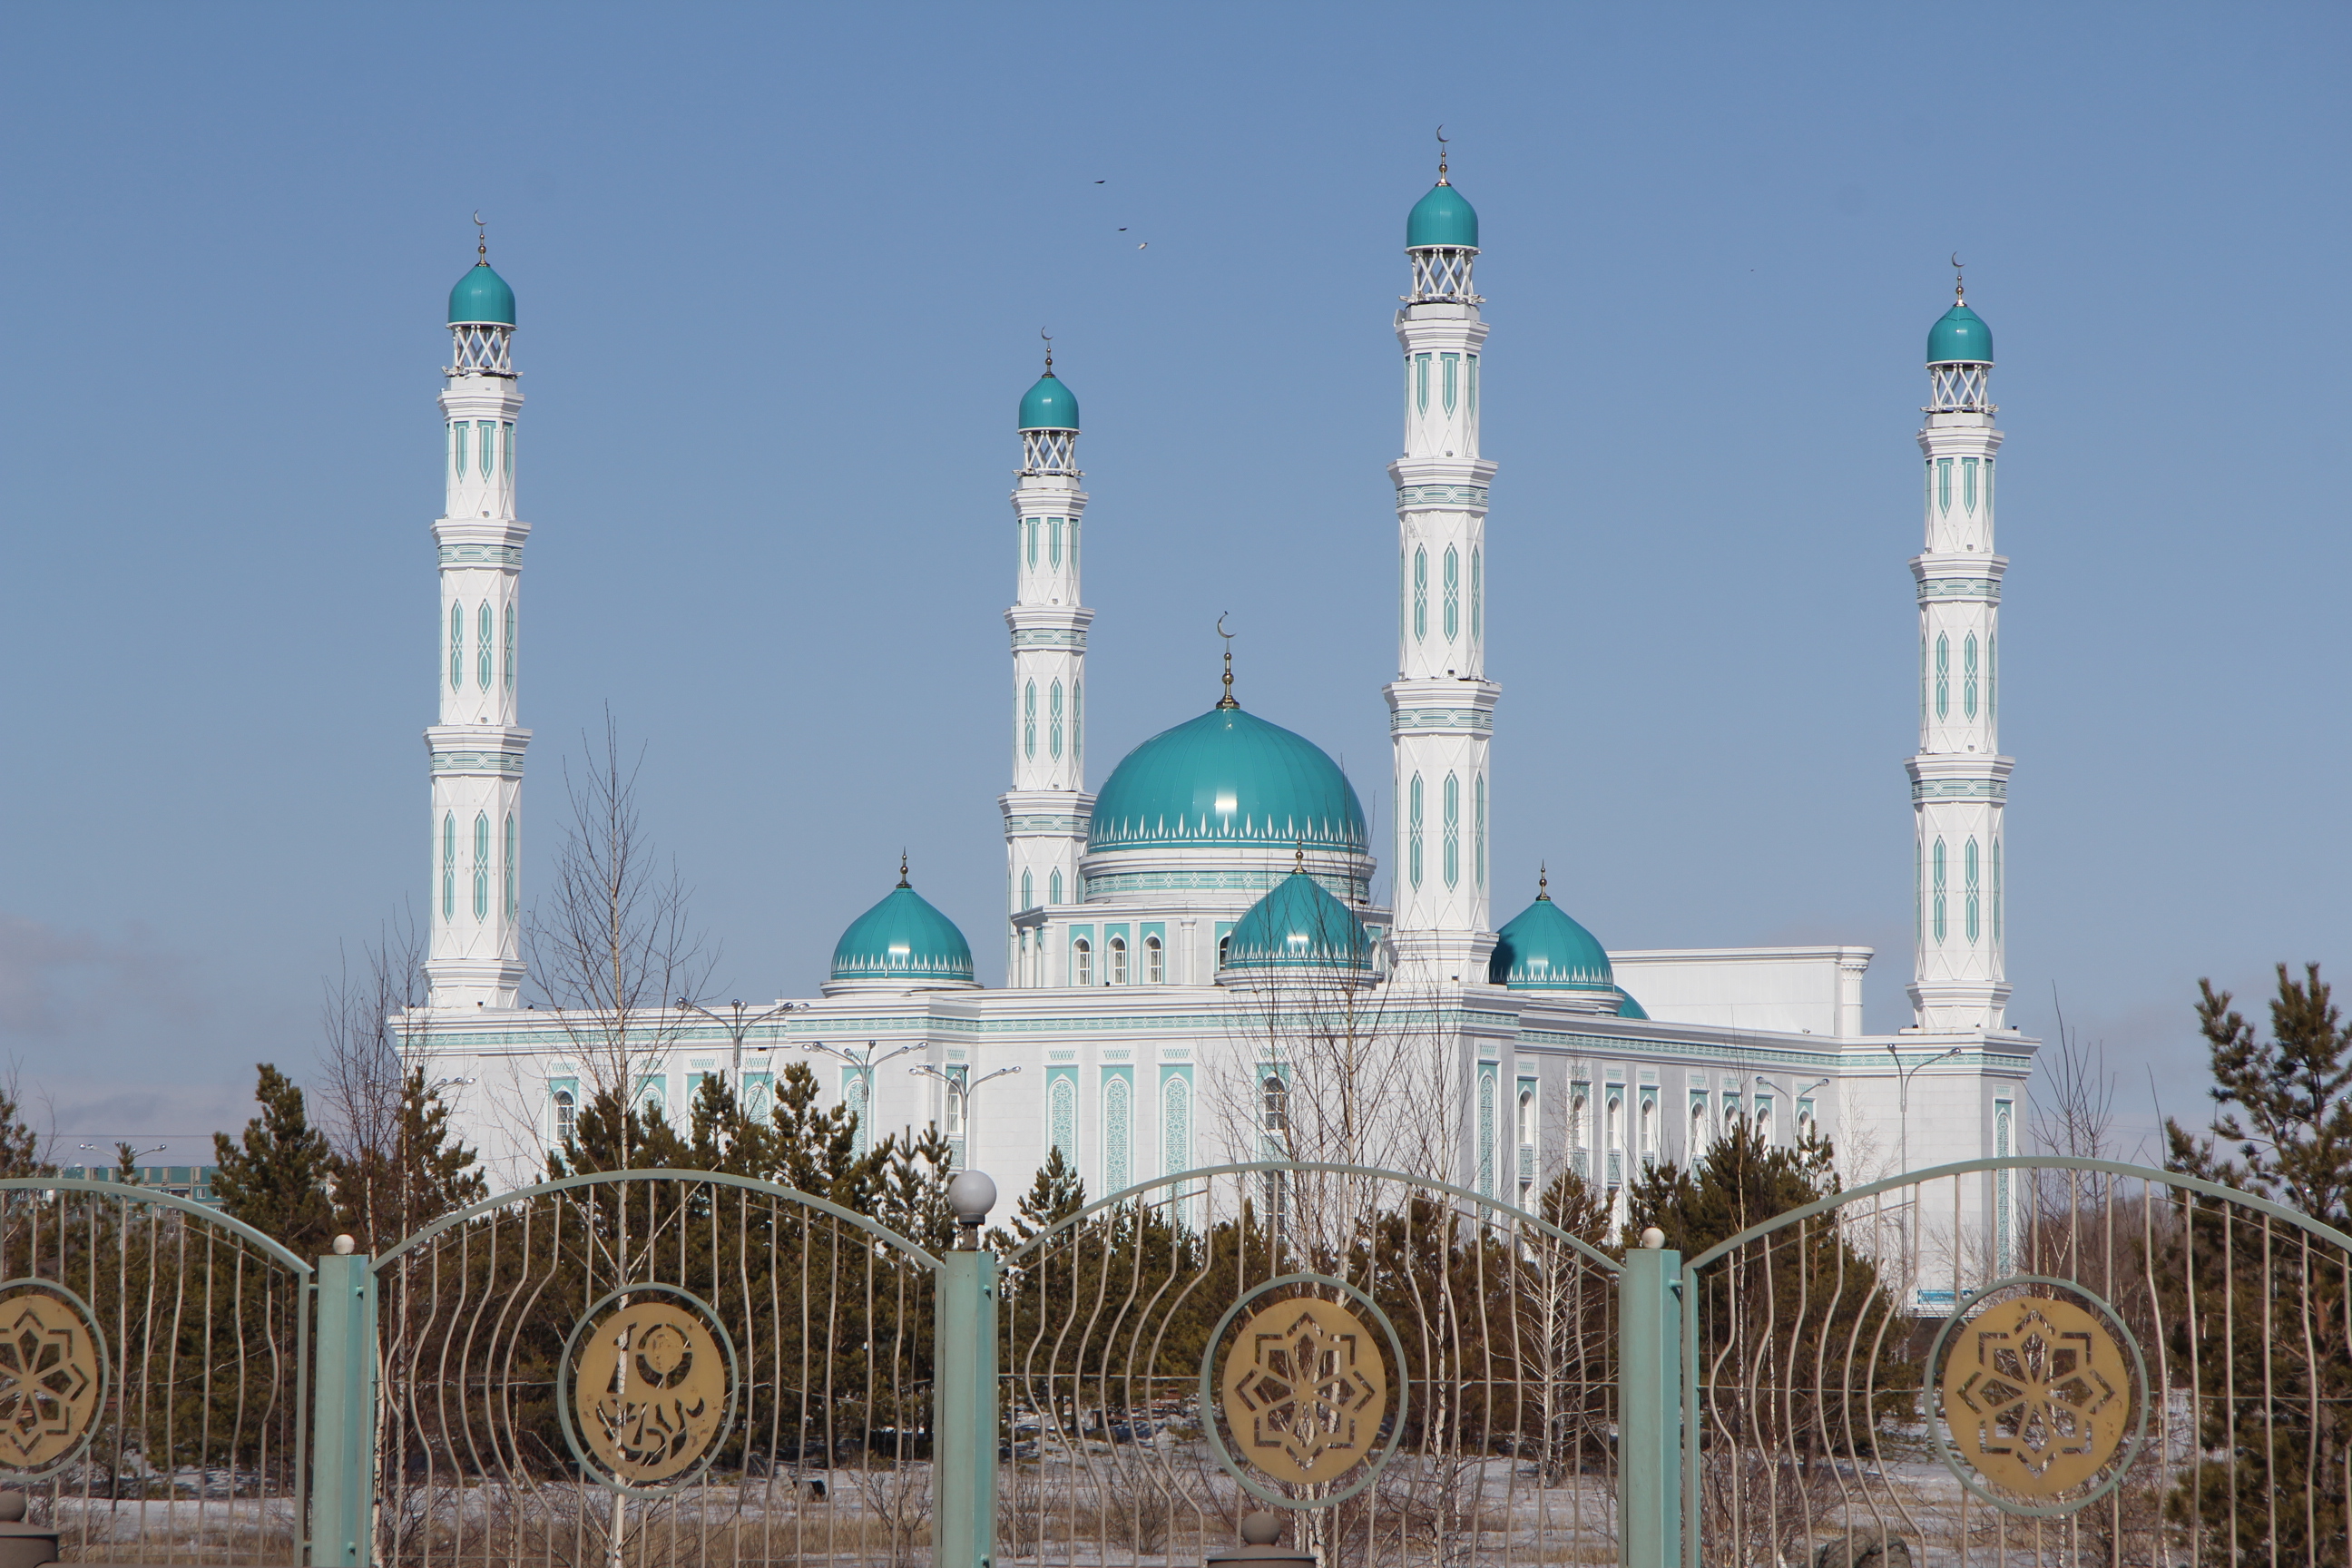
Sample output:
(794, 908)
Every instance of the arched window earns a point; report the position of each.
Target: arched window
(1420, 386)
(450, 866)
(1478, 832)
(1082, 962)
(1969, 882)
(1155, 962)
(1943, 677)
(1472, 404)
(1453, 593)
(1118, 1120)
(1526, 1125)
(565, 1110)
(1054, 721)
(1937, 919)
(482, 624)
(1054, 886)
(457, 434)
(1029, 721)
(1764, 1120)
(1054, 541)
(1697, 1125)
(1118, 947)
(1450, 371)
(1453, 830)
(954, 1124)
(1412, 832)
(652, 1108)
(1224, 948)
(1478, 577)
(1074, 548)
(1614, 1135)
(509, 649)
(509, 449)
(1943, 484)
(457, 648)
(1579, 1128)
(1649, 1128)
(481, 865)
(1033, 544)
(1062, 1117)
(1805, 1122)
(489, 435)
(1273, 1105)
(1969, 483)
(1420, 595)
(1028, 891)
(857, 1096)
(1969, 676)
(513, 868)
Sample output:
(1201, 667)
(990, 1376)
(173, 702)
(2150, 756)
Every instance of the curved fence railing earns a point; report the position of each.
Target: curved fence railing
(154, 1357)
(655, 1367)
(2021, 1360)
(1410, 1372)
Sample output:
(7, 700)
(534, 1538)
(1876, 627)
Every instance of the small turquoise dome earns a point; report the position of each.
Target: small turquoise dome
(1049, 405)
(1442, 218)
(1299, 926)
(1543, 950)
(903, 941)
(1959, 334)
(1224, 780)
(481, 295)
(1629, 1008)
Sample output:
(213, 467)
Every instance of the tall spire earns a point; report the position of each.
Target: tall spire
(1441, 706)
(1959, 779)
(1046, 810)
(475, 952)
(1227, 700)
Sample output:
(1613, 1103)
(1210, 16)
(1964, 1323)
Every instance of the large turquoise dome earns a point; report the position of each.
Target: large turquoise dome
(1224, 780)
(1442, 218)
(481, 296)
(903, 941)
(1049, 405)
(1543, 949)
(1298, 927)
(1959, 334)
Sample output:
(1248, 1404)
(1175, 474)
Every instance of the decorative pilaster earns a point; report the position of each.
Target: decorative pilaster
(1441, 706)
(476, 748)
(1960, 780)
(1046, 809)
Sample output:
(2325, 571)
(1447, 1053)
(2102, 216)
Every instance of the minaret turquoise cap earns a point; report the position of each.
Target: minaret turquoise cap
(1442, 218)
(481, 299)
(1960, 336)
(1049, 405)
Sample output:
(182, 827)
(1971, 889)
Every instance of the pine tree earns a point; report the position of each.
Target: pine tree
(1056, 1194)
(2295, 1141)
(380, 1195)
(275, 1179)
(20, 1146)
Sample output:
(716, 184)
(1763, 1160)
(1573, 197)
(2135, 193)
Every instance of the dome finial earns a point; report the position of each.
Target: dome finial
(1298, 864)
(902, 869)
(481, 239)
(1959, 283)
(1227, 700)
(1543, 882)
(1441, 157)
(1049, 349)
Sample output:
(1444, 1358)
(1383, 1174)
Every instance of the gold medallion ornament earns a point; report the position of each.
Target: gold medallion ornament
(52, 1377)
(651, 1395)
(2038, 1396)
(1305, 1391)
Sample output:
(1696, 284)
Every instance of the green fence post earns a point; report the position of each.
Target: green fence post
(1650, 1407)
(964, 1436)
(342, 1442)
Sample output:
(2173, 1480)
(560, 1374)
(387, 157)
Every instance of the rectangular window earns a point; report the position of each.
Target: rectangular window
(1943, 484)
(457, 434)
(1054, 540)
(510, 449)
(1420, 383)
(1451, 368)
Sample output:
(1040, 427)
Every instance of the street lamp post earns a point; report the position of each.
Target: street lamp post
(957, 1085)
(737, 1026)
(1903, 1117)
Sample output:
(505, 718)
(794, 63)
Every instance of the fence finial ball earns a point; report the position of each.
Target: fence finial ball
(345, 1247)
(971, 1194)
(1653, 1238)
(1261, 1528)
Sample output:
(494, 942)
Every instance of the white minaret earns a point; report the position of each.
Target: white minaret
(1441, 706)
(1960, 780)
(476, 955)
(1046, 808)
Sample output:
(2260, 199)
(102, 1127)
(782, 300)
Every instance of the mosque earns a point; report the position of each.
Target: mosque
(1179, 943)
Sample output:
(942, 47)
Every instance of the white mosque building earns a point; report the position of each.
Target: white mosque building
(1154, 923)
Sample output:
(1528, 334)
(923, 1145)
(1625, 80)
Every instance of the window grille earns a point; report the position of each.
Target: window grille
(457, 648)
(1155, 962)
(481, 865)
(1453, 830)
(1176, 1125)
(508, 650)
(1420, 595)
(1969, 676)
(1117, 949)
(1453, 593)
(450, 866)
(1969, 878)
(512, 866)
(483, 620)
(1054, 721)
(1412, 854)
(1082, 962)
(1486, 1134)
(1029, 721)
(1118, 1167)
(1937, 921)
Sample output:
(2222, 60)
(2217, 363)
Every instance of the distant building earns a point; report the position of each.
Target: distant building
(194, 1182)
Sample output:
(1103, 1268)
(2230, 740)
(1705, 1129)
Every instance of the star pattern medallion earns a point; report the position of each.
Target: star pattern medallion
(52, 1379)
(1305, 1391)
(2038, 1396)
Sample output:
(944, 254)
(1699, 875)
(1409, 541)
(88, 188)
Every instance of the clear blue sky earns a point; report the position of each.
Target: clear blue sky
(781, 273)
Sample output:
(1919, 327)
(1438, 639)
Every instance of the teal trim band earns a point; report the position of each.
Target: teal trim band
(1960, 789)
(1960, 588)
(481, 555)
(1348, 890)
(1477, 720)
(700, 1178)
(2320, 1228)
(1255, 1167)
(1071, 826)
(210, 1215)
(1441, 495)
(1050, 637)
(507, 764)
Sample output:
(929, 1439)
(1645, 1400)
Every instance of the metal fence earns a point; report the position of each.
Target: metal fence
(152, 1358)
(1410, 1372)
(2021, 1360)
(654, 1368)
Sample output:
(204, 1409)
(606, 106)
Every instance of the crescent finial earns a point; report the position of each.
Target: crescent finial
(1959, 283)
(1227, 701)
(1440, 155)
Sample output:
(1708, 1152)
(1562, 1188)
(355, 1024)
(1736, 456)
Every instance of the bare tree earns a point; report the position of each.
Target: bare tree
(2073, 1097)
(371, 1032)
(612, 944)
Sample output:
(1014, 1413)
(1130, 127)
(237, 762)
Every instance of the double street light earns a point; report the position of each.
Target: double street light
(738, 1024)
